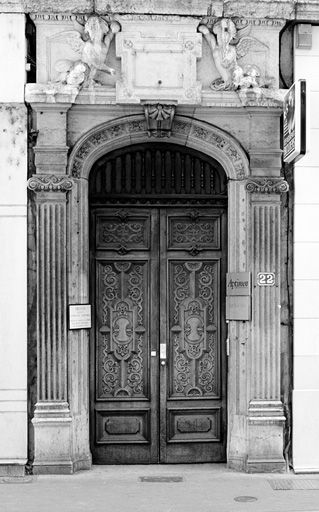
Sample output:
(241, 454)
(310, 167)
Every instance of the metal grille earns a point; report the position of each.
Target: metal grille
(161, 479)
(301, 484)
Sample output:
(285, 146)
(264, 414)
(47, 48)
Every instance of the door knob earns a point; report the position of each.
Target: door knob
(163, 362)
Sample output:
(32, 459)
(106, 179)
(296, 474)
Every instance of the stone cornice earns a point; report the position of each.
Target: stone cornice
(40, 94)
(50, 183)
(270, 9)
(267, 185)
(59, 6)
(307, 10)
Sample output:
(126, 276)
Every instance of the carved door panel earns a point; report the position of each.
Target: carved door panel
(157, 356)
(193, 384)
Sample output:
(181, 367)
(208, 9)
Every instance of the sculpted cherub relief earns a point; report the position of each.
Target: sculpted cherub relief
(91, 41)
(228, 44)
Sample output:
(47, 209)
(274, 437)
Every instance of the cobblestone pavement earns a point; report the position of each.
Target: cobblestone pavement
(170, 488)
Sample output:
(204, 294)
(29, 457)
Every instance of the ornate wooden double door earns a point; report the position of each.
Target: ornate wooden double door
(158, 359)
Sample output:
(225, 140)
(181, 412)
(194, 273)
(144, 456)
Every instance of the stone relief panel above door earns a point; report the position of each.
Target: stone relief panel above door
(76, 50)
(142, 58)
(243, 53)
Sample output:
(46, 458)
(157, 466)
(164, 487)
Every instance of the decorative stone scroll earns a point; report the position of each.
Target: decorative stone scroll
(267, 185)
(47, 183)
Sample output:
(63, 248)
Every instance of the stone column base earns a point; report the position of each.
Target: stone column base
(265, 437)
(12, 467)
(237, 442)
(52, 438)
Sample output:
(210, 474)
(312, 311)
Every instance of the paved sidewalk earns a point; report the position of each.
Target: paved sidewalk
(194, 488)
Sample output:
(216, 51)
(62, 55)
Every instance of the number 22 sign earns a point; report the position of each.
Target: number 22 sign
(266, 279)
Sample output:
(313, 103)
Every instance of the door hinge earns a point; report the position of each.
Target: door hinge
(227, 347)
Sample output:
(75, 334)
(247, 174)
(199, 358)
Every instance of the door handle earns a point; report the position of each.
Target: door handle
(163, 351)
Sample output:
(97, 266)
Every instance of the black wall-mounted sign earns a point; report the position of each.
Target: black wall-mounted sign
(294, 125)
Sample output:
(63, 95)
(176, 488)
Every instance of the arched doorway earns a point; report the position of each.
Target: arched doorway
(158, 245)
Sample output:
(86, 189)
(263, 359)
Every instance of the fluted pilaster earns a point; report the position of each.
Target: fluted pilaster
(265, 351)
(51, 307)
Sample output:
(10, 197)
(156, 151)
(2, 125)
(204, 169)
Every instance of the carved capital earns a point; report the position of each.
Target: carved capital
(50, 183)
(267, 185)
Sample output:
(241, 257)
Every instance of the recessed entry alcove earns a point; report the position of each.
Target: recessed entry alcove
(158, 247)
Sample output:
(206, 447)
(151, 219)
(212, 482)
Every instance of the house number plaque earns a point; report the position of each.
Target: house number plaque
(266, 279)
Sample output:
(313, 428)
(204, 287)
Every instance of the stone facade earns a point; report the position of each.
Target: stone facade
(306, 385)
(13, 219)
(86, 103)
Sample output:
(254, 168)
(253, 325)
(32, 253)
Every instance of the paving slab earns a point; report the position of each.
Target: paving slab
(169, 488)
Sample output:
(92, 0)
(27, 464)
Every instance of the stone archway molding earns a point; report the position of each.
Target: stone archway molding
(211, 141)
(186, 131)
